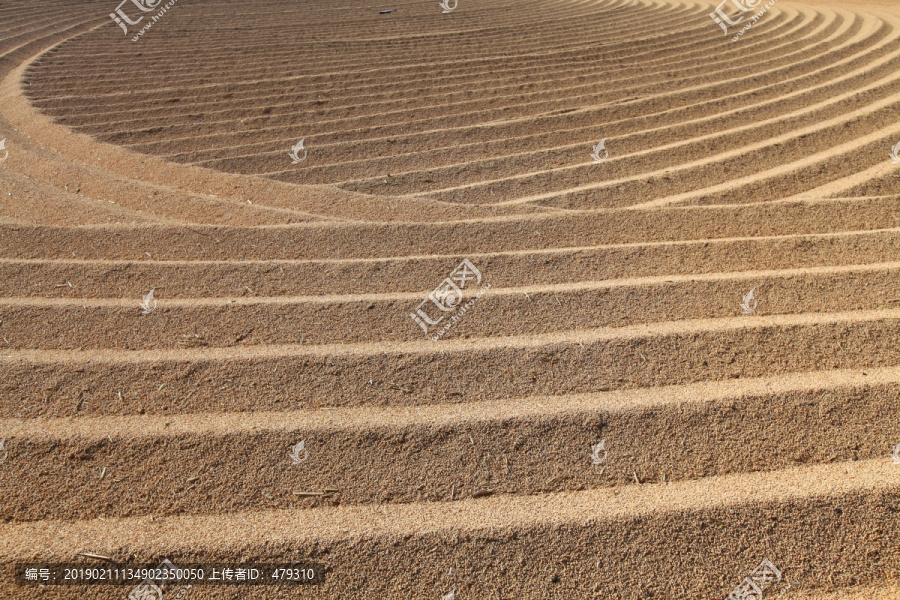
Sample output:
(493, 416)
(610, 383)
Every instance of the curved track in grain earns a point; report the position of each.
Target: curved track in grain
(285, 292)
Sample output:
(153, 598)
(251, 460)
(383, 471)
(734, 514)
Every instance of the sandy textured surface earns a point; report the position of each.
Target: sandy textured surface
(610, 307)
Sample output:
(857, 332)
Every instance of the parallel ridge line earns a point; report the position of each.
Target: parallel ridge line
(427, 347)
(242, 530)
(568, 287)
(338, 418)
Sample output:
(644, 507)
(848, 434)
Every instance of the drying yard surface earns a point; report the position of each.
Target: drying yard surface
(671, 263)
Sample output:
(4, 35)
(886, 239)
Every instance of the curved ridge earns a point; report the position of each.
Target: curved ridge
(710, 297)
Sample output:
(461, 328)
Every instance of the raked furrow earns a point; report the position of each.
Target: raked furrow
(598, 542)
(555, 300)
(110, 466)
